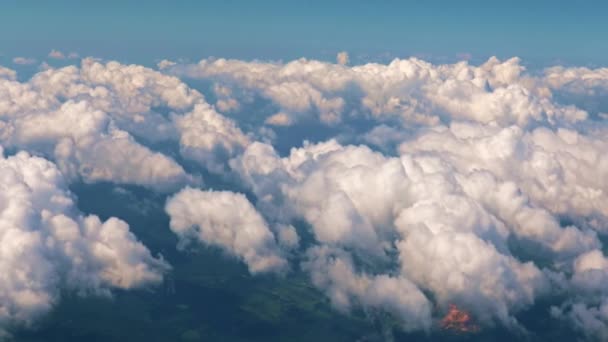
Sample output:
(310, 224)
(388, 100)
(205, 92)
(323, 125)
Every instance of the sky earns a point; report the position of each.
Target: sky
(538, 31)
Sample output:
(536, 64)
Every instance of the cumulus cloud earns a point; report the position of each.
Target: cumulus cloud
(342, 58)
(208, 137)
(590, 320)
(333, 271)
(94, 122)
(165, 63)
(227, 220)
(8, 74)
(490, 196)
(459, 207)
(48, 246)
(418, 210)
(560, 170)
(410, 90)
(476, 185)
(279, 119)
(24, 60)
(56, 54)
(278, 83)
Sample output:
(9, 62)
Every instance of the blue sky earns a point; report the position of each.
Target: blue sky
(145, 31)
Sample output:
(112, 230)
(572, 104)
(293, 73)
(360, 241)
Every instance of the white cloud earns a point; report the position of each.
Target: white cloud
(227, 220)
(56, 54)
(333, 271)
(208, 137)
(279, 119)
(84, 144)
(342, 58)
(164, 64)
(489, 191)
(560, 170)
(279, 83)
(448, 217)
(411, 90)
(91, 119)
(24, 60)
(47, 245)
(8, 74)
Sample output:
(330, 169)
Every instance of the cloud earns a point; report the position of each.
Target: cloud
(8, 74)
(165, 63)
(24, 60)
(373, 207)
(489, 193)
(208, 137)
(333, 271)
(410, 90)
(342, 58)
(560, 170)
(297, 99)
(227, 220)
(56, 54)
(279, 119)
(85, 146)
(48, 246)
(385, 137)
(452, 202)
(591, 321)
(93, 119)
(481, 185)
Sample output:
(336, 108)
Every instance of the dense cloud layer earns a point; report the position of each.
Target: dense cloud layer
(495, 197)
(481, 186)
(411, 90)
(96, 121)
(46, 245)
